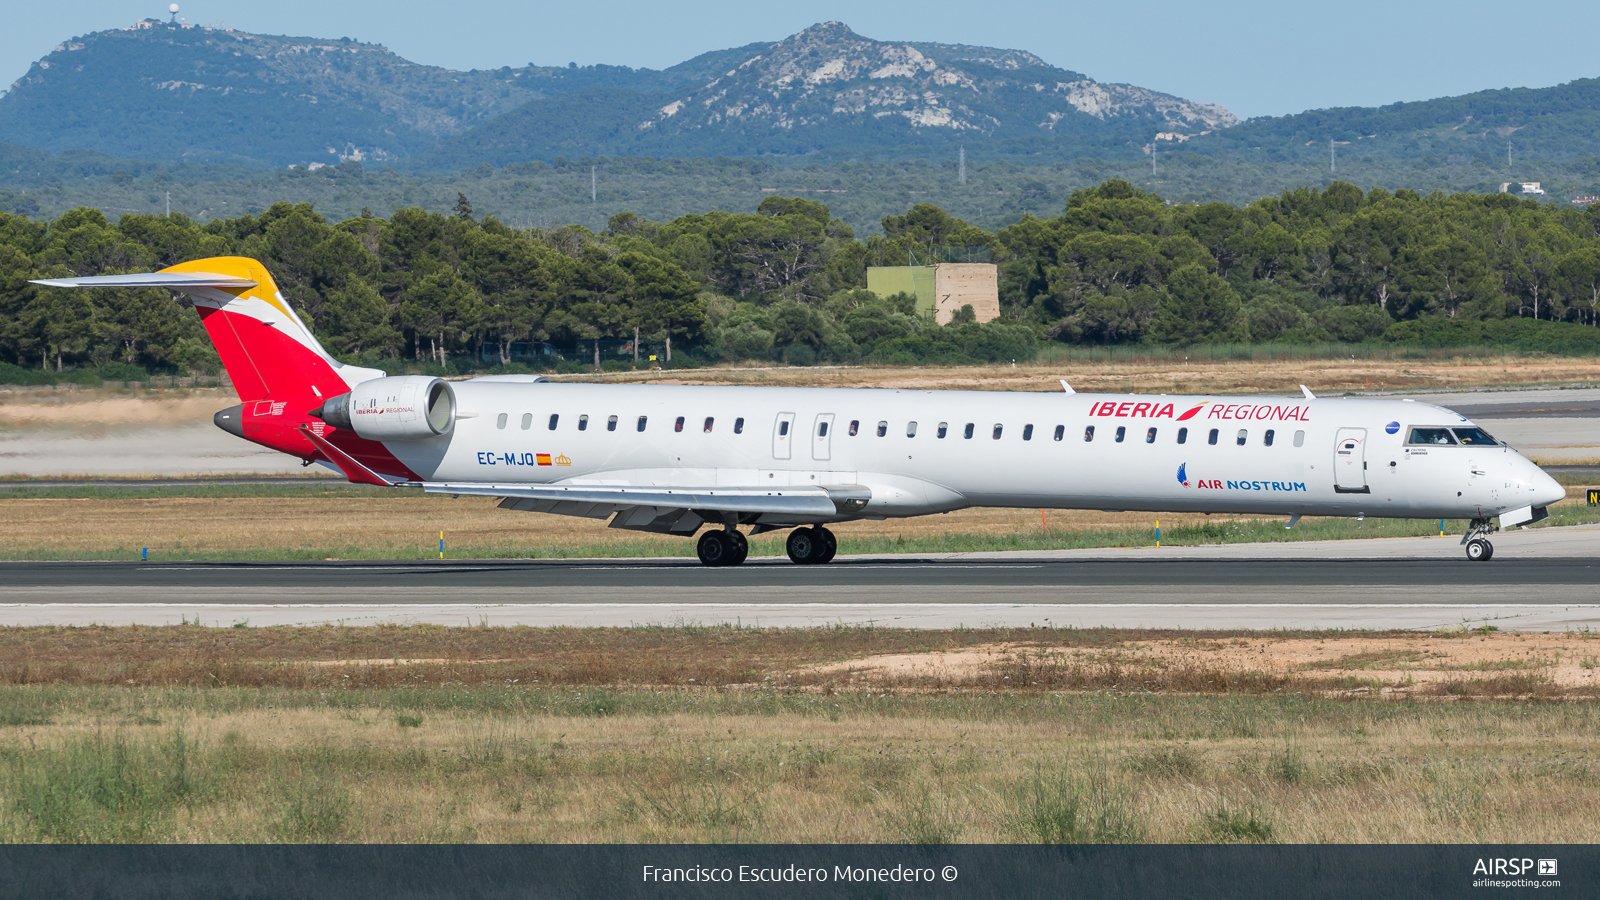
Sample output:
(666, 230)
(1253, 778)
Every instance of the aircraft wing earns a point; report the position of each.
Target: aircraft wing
(661, 509)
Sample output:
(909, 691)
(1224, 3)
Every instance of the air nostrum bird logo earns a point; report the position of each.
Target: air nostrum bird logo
(1183, 476)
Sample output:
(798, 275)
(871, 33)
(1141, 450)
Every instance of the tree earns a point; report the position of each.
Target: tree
(463, 208)
(1197, 306)
(660, 296)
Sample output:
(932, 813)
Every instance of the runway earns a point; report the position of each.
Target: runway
(1542, 580)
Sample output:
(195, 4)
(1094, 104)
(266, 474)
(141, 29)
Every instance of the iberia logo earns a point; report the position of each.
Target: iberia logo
(1183, 476)
(1189, 415)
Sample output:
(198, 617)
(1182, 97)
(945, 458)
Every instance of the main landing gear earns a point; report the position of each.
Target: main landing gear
(723, 548)
(1478, 547)
(807, 546)
(812, 546)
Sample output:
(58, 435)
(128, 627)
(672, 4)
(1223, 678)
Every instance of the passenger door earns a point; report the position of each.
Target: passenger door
(822, 437)
(783, 436)
(1350, 461)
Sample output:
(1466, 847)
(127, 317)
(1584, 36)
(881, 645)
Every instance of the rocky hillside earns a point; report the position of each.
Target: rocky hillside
(163, 92)
(168, 92)
(830, 91)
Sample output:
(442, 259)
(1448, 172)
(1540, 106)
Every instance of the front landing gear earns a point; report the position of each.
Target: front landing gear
(722, 548)
(812, 546)
(1476, 540)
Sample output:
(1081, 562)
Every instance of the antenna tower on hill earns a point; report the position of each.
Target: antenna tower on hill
(173, 8)
(961, 167)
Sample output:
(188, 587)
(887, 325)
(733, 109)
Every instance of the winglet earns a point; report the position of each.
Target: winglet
(1307, 391)
(1067, 387)
(349, 465)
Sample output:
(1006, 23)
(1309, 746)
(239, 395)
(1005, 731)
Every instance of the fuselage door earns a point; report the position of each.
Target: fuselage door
(783, 436)
(1350, 461)
(822, 437)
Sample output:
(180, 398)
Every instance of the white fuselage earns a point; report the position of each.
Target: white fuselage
(1326, 456)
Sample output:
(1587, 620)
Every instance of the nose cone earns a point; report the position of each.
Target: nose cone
(1546, 490)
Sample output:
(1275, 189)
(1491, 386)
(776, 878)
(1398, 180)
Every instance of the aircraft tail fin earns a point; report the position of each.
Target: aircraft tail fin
(268, 351)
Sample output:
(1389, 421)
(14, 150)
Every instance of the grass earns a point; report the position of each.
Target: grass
(323, 521)
(393, 734)
(512, 764)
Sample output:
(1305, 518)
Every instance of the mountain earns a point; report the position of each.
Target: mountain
(158, 91)
(167, 93)
(1553, 123)
(831, 92)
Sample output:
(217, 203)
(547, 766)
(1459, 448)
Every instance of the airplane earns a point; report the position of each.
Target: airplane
(675, 460)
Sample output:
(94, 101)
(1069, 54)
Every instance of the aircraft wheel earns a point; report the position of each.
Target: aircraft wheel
(741, 547)
(830, 545)
(1479, 550)
(715, 549)
(1490, 548)
(804, 546)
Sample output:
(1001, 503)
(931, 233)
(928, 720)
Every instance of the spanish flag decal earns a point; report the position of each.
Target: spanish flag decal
(544, 459)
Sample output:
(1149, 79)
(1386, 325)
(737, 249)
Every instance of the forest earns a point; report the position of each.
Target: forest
(456, 292)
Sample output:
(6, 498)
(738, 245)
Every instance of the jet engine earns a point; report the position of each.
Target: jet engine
(397, 408)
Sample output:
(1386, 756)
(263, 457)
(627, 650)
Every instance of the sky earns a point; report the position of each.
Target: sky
(1256, 58)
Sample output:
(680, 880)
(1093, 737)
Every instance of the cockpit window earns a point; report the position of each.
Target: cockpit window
(1431, 436)
(1476, 437)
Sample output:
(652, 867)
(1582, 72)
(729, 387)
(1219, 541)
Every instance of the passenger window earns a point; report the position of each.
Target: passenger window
(1122, 432)
(738, 425)
(1088, 434)
(783, 429)
(642, 420)
(554, 418)
(1212, 438)
(1183, 435)
(1431, 436)
(1150, 436)
(1476, 437)
(1243, 434)
(583, 423)
(855, 426)
(1266, 439)
(997, 427)
(500, 421)
(944, 429)
(527, 421)
(1027, 432)
(611, 424)
(1299, 438)
(911, 429)
(678, 425)
(709, 422)
(1061, 432)
(968, 432)
(822, 429)
(883, 428)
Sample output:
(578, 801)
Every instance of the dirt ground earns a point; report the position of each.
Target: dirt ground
(1157, 376)
(1392, 664)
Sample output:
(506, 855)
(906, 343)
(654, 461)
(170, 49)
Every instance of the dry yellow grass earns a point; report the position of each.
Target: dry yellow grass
(1155, 376)
(613, 741)
(407, 524)
(687, 767)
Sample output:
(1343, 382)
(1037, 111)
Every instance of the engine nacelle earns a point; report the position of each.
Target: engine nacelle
(398, 408)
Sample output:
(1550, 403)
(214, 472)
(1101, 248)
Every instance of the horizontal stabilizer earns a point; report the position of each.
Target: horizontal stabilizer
(175, 280)
(794, 502)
